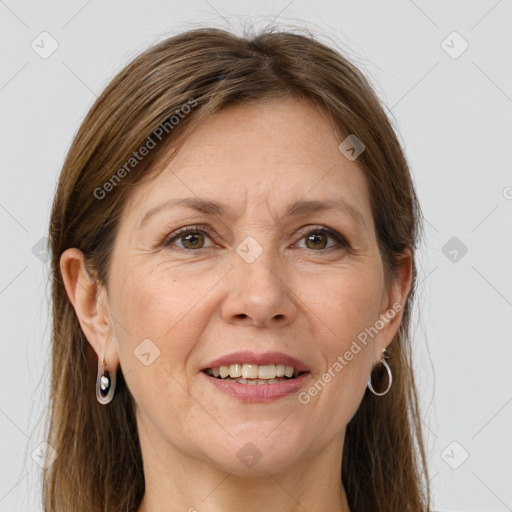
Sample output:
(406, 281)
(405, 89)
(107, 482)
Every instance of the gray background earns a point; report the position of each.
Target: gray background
(453, 112)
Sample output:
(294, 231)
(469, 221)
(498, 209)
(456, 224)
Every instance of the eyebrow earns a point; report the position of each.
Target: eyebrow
(297, 208)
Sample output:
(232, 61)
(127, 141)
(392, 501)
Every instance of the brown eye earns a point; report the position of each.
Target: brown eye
(192, 240)
(317, 241)
(189, 238)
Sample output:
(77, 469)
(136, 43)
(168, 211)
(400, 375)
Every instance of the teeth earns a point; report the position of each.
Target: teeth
(235, 370)
(249, 371)
(254, 374)
(267, 371)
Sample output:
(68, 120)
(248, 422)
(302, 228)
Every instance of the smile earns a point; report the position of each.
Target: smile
(247, 386)
(251, 374)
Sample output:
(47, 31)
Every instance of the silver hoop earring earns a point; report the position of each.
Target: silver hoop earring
(105, 383)
(380, 374)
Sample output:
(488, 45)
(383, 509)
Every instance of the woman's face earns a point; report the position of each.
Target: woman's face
(257, 280)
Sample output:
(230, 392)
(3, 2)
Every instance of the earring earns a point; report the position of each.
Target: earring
(105, 383)
(379, 376)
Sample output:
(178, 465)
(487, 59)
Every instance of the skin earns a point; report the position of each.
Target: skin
(197, 304)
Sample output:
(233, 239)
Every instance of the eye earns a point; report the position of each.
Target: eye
(192, 237)
(317, 238)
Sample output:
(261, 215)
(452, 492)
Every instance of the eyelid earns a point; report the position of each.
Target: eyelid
(186, 229)
(340, 239)
(302, 232)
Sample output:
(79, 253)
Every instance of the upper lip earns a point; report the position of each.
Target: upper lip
(265, 358)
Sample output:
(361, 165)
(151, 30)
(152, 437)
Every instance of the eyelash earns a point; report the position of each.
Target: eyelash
(203, 228)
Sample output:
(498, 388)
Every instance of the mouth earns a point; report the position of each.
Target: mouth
(250, 377)
(252, 374)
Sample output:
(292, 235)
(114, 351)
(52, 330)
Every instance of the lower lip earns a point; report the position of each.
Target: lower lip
(259, 392)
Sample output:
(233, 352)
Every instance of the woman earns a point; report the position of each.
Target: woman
(233, 241)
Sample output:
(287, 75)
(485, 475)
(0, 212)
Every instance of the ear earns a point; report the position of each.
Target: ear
(393, 302)
(90, 301)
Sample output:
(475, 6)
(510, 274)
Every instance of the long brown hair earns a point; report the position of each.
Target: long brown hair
(99, 463)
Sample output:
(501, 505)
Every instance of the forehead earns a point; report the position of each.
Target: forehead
(273, 153)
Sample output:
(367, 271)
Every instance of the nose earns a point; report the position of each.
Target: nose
(259, 294)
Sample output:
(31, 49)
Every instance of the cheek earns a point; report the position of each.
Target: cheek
(160, 331)
(149, 310)
(154, 303)
(345, 302)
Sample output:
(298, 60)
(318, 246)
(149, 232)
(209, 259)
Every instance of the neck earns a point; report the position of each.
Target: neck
(231, 493)
(190, 484)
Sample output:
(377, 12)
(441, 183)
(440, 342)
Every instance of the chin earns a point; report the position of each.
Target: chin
(257, 451)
